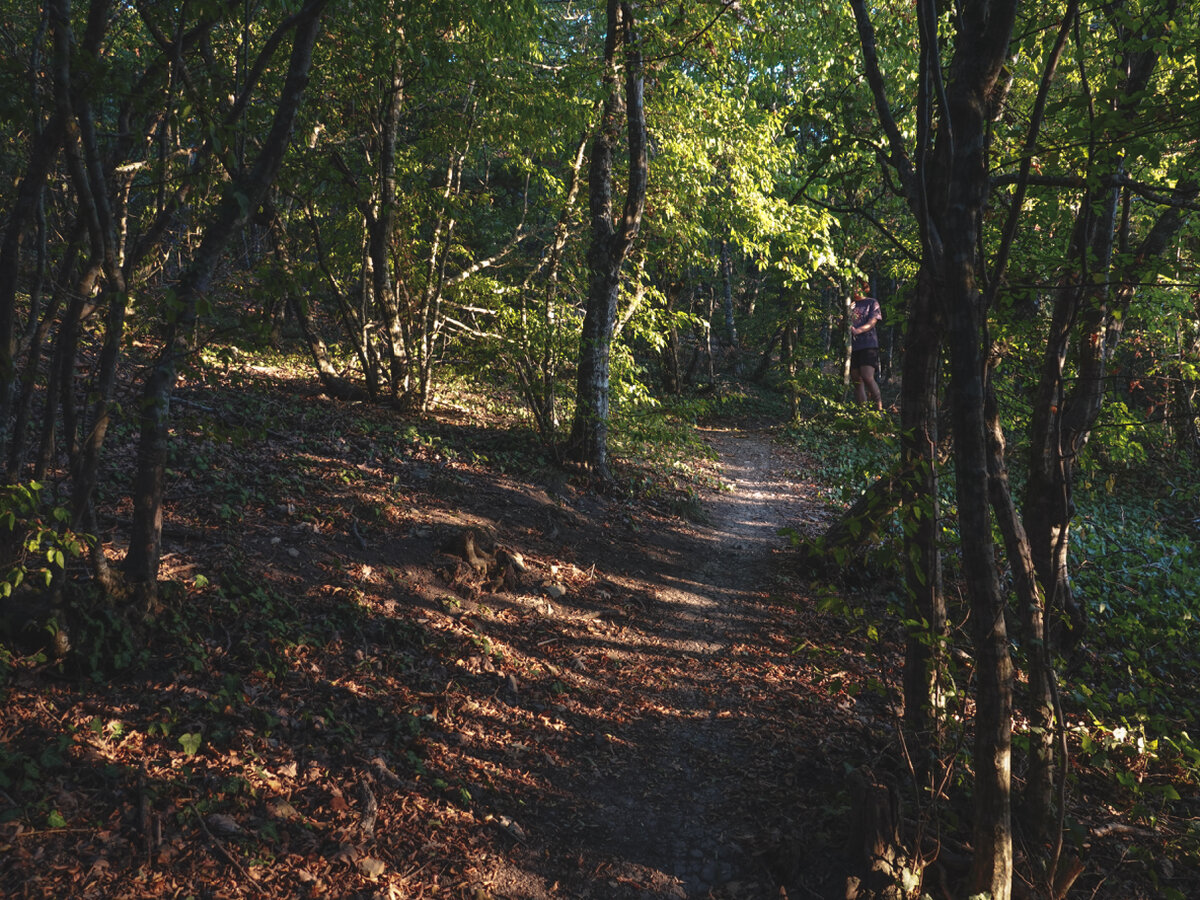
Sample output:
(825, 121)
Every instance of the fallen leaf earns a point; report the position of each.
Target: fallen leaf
(371, 867)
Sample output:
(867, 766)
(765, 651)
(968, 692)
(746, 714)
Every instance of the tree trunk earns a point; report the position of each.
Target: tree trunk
(1093, 308)
(145, 548)
(41, 158)
(17, 443)
(537, 362)
(768, 354)
(924, 661)
(355, 323)
(88, 177)
(847, 342)
(992, 867)
(611, 241)
(1184, 408)
(1090, 307)
(334, 385)
(731, 334)
(787, 353)
(980, 53)
(381, 222)
(1038, 699)
(672, 377)
(947, 190)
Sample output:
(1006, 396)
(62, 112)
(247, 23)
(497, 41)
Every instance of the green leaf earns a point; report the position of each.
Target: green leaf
(190, 743)
(1168, 792)
(56, 820)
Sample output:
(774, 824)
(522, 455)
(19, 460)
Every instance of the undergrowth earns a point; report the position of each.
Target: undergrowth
(1136, 565)
(1128, 691)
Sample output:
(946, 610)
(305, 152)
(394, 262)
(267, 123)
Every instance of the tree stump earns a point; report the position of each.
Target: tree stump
(880, 870)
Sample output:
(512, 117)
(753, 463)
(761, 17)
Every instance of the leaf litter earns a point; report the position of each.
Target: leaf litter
(334, 706)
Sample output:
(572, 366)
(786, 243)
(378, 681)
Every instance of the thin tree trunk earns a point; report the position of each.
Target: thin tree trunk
(1038, 699)
(539, 378)
(924, 662)
(381, 223)
(787, 352)
(1093, 308)
(1184, 408)
(354, 323)
(767, 356)
(669, 360)
(30, 203)
(41, 158)
(145, 550)
(18, 441)
(335, 386)
(1089, 306)
(731, 334)
(847, 341)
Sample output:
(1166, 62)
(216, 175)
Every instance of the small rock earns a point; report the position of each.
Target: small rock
(555, 591)
(371, 867)
(279, 808)
(222, 824)
(512, 828)
(379, 768)
(293, 553)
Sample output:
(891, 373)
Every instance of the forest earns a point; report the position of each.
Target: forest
(387, 389)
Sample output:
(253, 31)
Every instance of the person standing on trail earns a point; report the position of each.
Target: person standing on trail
(865, 315)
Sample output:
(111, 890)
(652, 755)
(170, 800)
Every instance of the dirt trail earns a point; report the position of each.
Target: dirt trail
(686, 782)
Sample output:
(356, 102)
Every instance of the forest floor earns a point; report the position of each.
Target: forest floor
(600, 698)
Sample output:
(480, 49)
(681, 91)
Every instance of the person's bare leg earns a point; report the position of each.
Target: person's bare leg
(868, 387)
(860, 393)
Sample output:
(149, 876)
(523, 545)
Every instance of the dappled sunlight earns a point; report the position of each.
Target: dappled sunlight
(333, 678)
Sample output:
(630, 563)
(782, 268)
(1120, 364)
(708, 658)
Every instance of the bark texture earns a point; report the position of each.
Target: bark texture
(924, 659)
(947, 188)
(611, 239)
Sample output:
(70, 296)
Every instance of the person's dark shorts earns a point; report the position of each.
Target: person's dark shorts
(867, 356)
